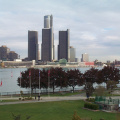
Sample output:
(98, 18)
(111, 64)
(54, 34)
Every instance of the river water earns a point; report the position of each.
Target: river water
(9, 76)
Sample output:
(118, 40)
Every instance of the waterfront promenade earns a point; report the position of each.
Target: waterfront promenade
(42, 99)
(46, 99)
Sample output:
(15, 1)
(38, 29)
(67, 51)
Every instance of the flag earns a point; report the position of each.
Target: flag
(48, 72)
(29, 72)
(1, 83)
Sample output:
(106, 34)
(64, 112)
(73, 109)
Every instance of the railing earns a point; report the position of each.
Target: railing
(42, 91)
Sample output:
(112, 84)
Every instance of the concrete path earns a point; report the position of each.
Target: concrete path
(47, 99)
(43, 99)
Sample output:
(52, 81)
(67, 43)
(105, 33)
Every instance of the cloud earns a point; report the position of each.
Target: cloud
(94, 25)
(112, 37)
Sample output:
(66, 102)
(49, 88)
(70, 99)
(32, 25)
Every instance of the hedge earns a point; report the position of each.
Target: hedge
(91, 106)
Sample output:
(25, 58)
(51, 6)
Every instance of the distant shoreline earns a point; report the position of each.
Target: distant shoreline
(54, 66)
(68, 66)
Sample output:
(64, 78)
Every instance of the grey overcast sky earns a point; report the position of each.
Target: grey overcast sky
(94, 25)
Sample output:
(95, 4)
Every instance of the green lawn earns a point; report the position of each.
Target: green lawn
(63, 94)
(62, 110)
(8, 101)
(55, 94)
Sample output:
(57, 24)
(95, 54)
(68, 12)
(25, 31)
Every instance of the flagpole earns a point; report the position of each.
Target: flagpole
(39, 82)
(30, 81)
(11, 79)
(30, 86)
(20, 83)
(48, 87)
(48, 81)
(1, 89)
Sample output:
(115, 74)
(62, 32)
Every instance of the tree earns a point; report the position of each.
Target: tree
(90, 77)
(110, 74)
(29, 78)
(57, 78)
(99, 79)
(74, 78)
(44, 78)
(100, 91)
(111, 85)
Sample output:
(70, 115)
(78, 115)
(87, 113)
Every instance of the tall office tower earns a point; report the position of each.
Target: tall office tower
(72, 54)
(33, 45)
(63, 47)
(4, 51)
(85, 57)
(48, 21)
(47, 46)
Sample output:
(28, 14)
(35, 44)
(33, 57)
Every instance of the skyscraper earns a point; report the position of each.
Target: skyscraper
(48, 21)
(4, 51)
(33, 45)
(72, 54)
(85, 57)
(63, 47)
(47, 46)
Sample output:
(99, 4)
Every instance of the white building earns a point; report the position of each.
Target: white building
(85, 57)
(72, 54)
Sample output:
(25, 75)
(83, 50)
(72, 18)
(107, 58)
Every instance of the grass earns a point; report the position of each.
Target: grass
(59, 94)
(9, 101)
(62, 94)
(62, 110)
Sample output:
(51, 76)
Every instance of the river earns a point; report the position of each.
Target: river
(9, 76)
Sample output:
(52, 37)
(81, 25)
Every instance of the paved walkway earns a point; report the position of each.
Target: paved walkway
(46, 99)
(43, 99)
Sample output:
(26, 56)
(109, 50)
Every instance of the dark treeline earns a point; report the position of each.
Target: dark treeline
(57, 77)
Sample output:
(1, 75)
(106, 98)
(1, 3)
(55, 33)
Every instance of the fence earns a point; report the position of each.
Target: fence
(109, 101)
(42, 91)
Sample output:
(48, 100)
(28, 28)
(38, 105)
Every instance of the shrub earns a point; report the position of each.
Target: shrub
(19, 98)
(28, 98)
(91, 99)
(76, 117)
(91, 106)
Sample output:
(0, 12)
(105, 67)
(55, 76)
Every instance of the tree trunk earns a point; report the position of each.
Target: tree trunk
(53, 88)
(32, 91)
(73, 89)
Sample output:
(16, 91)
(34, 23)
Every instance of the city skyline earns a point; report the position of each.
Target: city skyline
(94, 26)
